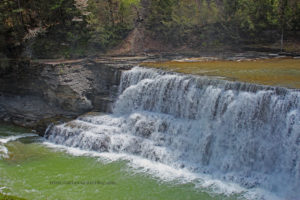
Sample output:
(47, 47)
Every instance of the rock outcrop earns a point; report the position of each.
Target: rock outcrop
(33, 94)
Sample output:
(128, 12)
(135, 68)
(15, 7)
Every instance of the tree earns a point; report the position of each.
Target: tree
(282, 15)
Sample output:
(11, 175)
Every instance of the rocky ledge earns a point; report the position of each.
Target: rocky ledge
(35, 93)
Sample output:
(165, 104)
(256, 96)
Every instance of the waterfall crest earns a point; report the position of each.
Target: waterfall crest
(239, 132)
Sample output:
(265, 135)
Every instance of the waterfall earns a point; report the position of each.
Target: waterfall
(237, 132)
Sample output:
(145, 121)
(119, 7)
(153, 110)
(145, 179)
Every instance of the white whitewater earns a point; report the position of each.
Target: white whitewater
(7, 139)
(4, 140)
(234, 132)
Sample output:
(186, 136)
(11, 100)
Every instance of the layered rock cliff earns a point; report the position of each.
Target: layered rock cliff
(33, 94)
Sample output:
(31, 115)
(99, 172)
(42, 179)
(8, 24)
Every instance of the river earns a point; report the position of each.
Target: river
(170, 136)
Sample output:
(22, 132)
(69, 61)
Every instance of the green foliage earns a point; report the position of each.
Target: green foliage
(20, 18)
(160, 17)
(211, 22)
(69, 31)
(110, 21)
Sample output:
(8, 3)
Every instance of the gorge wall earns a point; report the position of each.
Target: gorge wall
(33, 94)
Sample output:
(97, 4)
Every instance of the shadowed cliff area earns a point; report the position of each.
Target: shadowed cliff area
(37, 93)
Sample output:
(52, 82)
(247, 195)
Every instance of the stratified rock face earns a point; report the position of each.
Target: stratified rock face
(31, 93)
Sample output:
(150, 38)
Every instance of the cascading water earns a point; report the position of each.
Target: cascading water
(236, 132)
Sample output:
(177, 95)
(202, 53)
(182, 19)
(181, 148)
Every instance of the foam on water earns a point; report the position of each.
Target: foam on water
(231, 137)
(164, 172)
(3, 152)
(7, 139)
(157, 170)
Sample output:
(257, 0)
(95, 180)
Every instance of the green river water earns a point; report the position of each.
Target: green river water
(32, 170)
